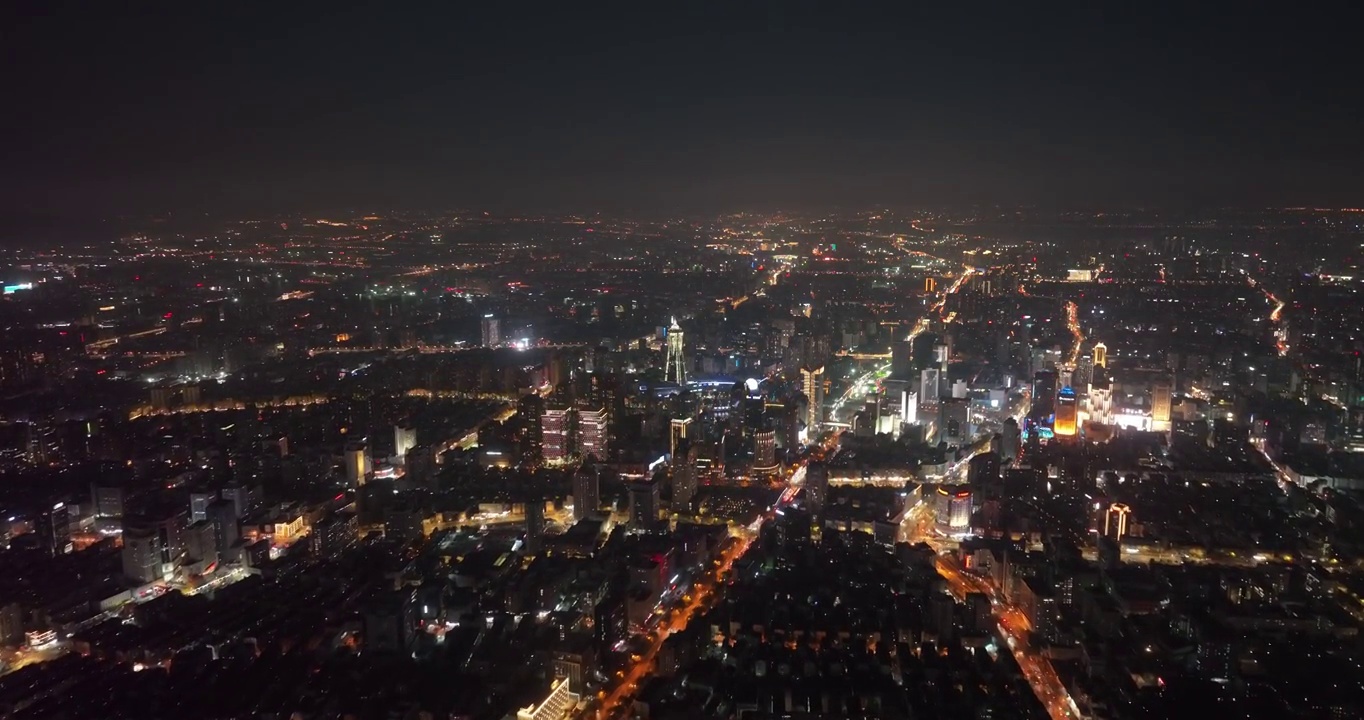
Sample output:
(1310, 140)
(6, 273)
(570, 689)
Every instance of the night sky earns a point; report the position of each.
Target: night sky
(676, 105)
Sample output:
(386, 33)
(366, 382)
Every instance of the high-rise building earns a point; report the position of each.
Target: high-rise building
(141, 555)
(902, 359)
(1084, 373)
(1160, 403)
(909, 407)
(1101, 355)
(941, 355)
(154, 549)
(492, 331)
(1067, 412)
(222, 515)
(594, 431)
(983, 469)
(1044, 394)
(685, 472)
(535, 523)
(765, 452)
(678, 430)
(953, 507)
(816, 485)
(1010, 440)
(1116, 519)
(108, 498)
(930, 387)
(359, 467)
(1101, 401)
(555, 434)
(954, 424)
(199, 501)
(404, 439)
(644, 503)
(53, 527)
(529, 409)
(812, 383)
(675, 363)
(586, 494)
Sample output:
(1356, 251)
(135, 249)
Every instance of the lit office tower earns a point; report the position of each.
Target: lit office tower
(586, 494)
(765, 452)
(909, 407)
(1160, 404)
(1067, 412)
(404, 439)
(1101, 401)
(644, 502)
(593, 431)
(1116, 519)
(1084, 372)
(675, 364)
(679, 430)
(554, 434)
(492, 331)
(953, 507)
(812, 383)
(930, 387)
(1101, 355)
(358, 465)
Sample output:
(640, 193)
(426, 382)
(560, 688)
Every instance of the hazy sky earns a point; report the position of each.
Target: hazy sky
(693, 104)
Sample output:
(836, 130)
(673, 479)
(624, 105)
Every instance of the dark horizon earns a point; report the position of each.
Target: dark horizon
(714, 108)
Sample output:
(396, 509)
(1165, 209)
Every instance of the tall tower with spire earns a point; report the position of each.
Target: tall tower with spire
(675, 365)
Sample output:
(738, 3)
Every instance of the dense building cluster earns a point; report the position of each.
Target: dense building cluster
(868, 465)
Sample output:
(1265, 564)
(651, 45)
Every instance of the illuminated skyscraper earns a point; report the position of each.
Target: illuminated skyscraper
(1101, 401)
(909, 407)
(930, 387)
(358, 464)
(679, 430)
(675, 364)
(765, 452)
(404, 439)
(1160, 404)
(593, 431)
(1067, 412)
(492, 331)
(1101, 355)
(1084, 372)
(554, 434)
(1116, 519)
(586, 494)
(685, 475)
(812, 382)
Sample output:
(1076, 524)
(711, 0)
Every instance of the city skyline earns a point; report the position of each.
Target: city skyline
(773, 359)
